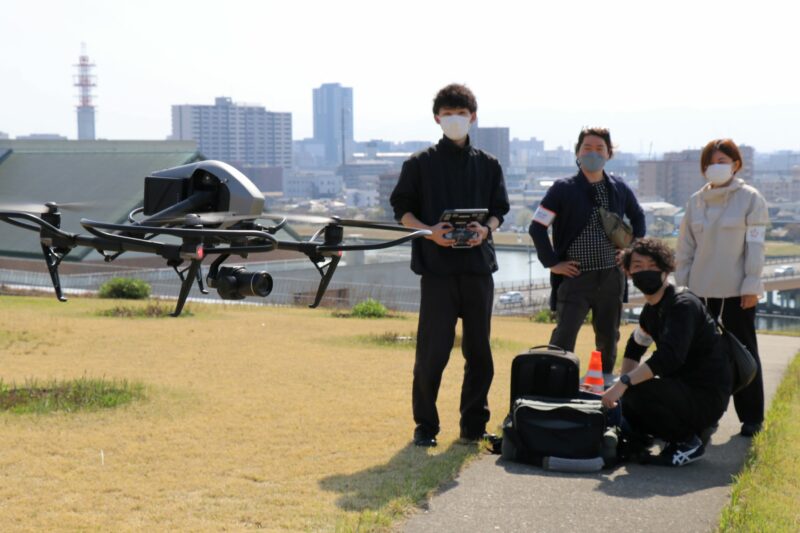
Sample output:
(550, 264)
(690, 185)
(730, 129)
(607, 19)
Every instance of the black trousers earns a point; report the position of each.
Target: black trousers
(671, 409)
(748, 402)
(598, 290)
(444, 300)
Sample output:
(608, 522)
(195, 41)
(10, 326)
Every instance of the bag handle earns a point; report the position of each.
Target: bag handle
(549, 346)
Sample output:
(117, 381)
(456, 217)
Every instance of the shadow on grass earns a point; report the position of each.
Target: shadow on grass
(388, 491)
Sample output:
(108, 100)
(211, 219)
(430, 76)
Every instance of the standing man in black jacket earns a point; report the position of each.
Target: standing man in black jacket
(684, 404)
(455, 282)
(582, 259)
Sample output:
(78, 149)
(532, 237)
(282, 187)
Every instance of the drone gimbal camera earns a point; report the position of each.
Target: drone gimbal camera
(213, 209)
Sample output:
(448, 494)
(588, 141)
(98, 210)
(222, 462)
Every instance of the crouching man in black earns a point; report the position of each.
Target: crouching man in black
(682, 390)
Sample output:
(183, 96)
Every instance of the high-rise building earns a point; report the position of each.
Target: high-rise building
(677, 176)
(236, 133)
(333, 121)
(84, 81)
(495, 141)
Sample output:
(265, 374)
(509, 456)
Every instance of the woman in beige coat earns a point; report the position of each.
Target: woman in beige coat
(720, 256)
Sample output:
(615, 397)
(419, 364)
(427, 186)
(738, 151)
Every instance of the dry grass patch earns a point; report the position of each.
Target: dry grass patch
(256, 417)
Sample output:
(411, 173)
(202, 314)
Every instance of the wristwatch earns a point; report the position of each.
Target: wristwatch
(625, 379)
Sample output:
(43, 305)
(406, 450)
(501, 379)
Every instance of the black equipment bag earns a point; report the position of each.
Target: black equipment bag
(540, 427)
(743, 365)
(545, 371)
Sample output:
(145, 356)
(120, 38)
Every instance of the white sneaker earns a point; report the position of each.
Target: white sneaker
(682, 453)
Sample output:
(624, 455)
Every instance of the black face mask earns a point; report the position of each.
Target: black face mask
(647, 281)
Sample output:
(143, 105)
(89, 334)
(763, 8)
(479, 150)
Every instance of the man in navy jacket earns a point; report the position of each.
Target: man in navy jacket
(584, 273)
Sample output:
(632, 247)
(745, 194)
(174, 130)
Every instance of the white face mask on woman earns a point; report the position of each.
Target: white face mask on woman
(455, 127)
(719, 173)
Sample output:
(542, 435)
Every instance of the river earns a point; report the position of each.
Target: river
(514, 267)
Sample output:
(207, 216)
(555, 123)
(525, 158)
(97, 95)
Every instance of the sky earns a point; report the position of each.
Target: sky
(662, 76)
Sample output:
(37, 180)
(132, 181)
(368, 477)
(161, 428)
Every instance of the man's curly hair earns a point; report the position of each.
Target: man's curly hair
(656, 249)
(455, 95)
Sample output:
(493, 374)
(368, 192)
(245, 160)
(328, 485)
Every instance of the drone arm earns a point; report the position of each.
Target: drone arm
(372, 246)
(41, 225)
(122, 243)
(18, 223)
(193, 202)
(95, 227)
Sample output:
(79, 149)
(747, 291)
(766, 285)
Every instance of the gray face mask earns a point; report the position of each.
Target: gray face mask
(591, 162)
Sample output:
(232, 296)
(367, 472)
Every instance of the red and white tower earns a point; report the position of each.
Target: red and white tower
(85, 81)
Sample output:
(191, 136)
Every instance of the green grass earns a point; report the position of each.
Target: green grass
(409, 340)
(84, 394)
(766, 494)
(151, 310)
(782, 332)
(780, 248)
(390, 338)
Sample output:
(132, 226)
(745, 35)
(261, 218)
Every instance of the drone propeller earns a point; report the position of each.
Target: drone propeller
(47, 207)
(204, 219)
(315, 219)
(220, 217)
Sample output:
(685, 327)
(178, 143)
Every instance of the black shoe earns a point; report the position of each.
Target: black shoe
(750, 428)
(467, 438)
(705, 435)
(633, 443)
(681, 453)
(424, 440)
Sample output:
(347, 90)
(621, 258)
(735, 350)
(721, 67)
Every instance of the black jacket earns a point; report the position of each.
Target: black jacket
(687, 342)
(446, 176)
(571, 200)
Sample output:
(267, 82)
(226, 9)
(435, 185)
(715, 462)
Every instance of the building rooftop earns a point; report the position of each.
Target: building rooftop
(107, 175)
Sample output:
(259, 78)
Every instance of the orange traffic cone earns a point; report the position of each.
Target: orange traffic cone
(593, 380)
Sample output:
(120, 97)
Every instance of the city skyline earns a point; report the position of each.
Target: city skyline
(542, 71)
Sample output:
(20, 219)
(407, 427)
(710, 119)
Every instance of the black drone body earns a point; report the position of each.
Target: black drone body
(214, 210)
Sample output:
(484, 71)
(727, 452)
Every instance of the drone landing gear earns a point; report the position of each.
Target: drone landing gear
(190, 274)
(325, 270)
(53, 257)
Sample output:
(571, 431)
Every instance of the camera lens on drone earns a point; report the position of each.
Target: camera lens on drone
(235, 283)
(254, 283)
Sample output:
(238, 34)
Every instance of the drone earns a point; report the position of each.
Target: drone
(214, 210)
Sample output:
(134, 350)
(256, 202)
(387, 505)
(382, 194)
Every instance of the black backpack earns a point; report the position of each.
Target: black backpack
(545, 371)
(549, 417)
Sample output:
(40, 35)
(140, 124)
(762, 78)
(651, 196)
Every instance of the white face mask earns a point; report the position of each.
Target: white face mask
(455, 127)
(719, 173)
